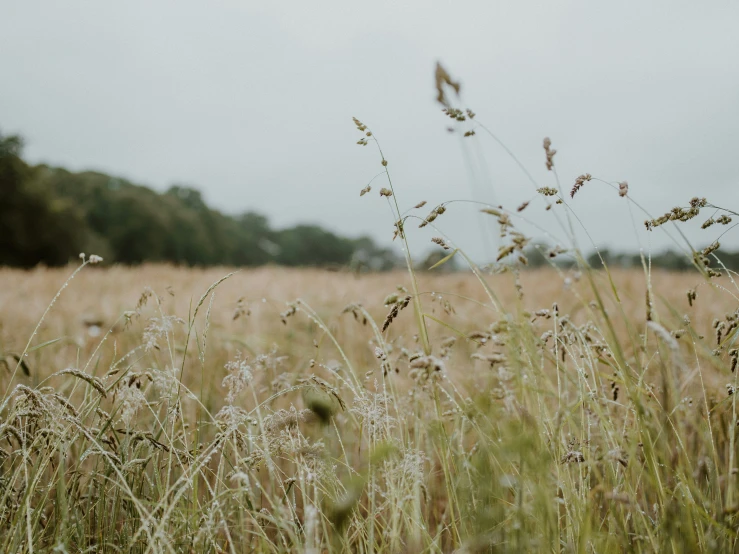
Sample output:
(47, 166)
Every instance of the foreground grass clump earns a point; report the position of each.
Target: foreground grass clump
(559, 420)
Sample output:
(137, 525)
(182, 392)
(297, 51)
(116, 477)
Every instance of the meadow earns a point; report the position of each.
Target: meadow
(155, 412)
(577, 408)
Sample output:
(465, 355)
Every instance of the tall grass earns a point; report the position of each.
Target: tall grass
(555, 411)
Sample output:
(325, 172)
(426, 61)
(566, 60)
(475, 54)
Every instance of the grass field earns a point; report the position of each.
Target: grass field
(155, 409)
(155, 413)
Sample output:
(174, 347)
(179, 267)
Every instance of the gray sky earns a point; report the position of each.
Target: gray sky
(252, 103)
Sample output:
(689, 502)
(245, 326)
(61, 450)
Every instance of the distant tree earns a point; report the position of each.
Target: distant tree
(312, 246)
(34, 226)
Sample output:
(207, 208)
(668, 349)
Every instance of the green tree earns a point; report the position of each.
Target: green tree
(34, 226)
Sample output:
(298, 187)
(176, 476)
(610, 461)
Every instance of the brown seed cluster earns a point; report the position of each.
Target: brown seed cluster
(361, 127)
(579, 182)
(442, 78)
(678, 214)
(436, 212)
(440, 242)
(399, 305)
(550, 152)
(547, 191)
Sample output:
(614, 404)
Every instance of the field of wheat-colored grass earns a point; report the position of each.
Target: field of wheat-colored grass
(555, 411)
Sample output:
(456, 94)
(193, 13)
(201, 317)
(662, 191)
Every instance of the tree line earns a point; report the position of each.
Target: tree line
(48, 215)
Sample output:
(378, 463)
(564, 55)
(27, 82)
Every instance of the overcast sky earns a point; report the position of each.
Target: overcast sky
(252, 103)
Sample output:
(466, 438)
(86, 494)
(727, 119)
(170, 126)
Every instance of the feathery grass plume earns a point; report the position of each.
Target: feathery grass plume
(372, 409)
(131, 398)
(623, 188)
(385, 192)
(421, 204)
(549, 152)
(522, 206)
(159, 327)
(365, 190)
(285, 419)
(579, 182)
(239, 377)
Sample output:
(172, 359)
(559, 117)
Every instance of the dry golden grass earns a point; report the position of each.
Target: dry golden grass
(467, 448)
(101, 295)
